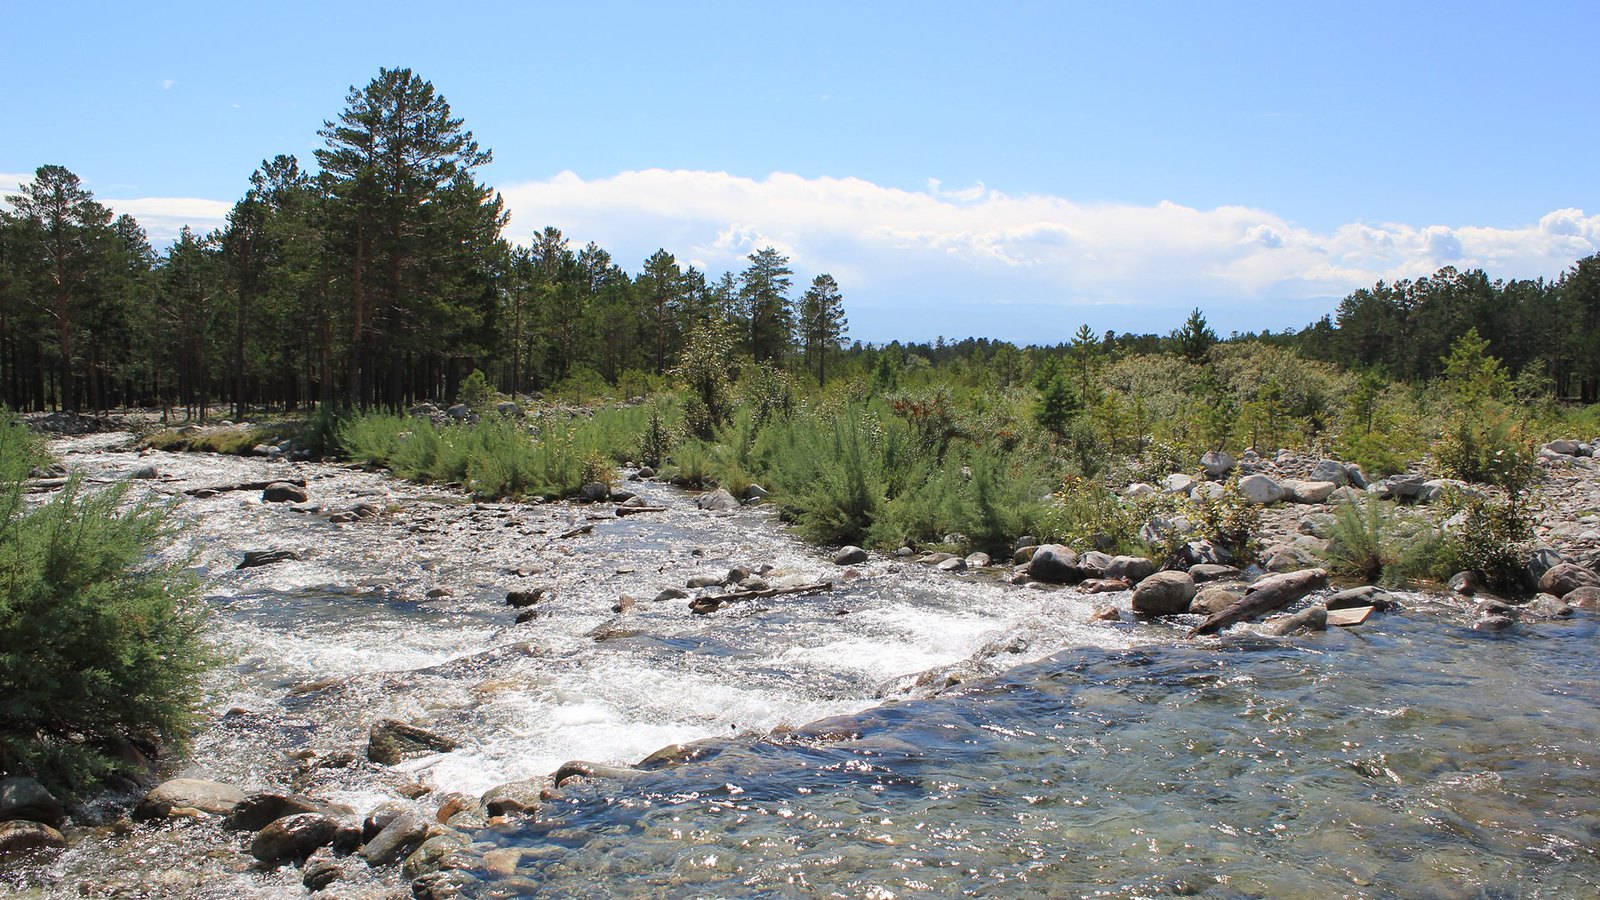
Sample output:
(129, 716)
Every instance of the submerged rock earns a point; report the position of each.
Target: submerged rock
(404, 834)
(253, 558)
(283, 492)
(391, 742)
(212, 797)
(20, 837)
(293, 837)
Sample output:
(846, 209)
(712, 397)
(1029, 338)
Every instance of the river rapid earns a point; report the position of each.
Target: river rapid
(910, 733)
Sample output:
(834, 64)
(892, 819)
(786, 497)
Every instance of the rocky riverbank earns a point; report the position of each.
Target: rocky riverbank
(359, 799)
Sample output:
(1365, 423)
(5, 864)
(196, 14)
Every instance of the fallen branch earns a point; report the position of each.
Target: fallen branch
(703, 605)
(1266, 595)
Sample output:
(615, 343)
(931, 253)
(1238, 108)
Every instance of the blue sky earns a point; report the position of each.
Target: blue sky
(1009, 172)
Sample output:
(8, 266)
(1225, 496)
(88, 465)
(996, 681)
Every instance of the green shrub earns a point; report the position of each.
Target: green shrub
(1380, 544)
(477, 393)
(1480, 533)
(1487, 449)
(100, 640)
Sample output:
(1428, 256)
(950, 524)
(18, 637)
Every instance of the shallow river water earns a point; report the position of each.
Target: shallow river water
(1411, 757)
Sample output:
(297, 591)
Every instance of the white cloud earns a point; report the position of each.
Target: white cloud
(164, 217)
(940, 261)
(167, 83)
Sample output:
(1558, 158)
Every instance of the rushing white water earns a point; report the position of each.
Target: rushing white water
(323, 647)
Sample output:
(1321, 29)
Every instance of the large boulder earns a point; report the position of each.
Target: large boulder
(1217, 463)
(293, 837)
(1261, 489)
(849, 556)
(1311, 491)
(1177, 483)
(1211, 600)
(1330, 470)
(21, 837)
(212, 797)
(1564, 578)
(1133, 568)
(283, 492)
(517, 797)
(718, 500)
(25, 798)
(1164, 594)
(259, 810)
(1055, 564)
(1357, 597)
(390, 742)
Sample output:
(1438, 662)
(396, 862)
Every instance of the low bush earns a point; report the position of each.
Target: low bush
(1491, 535)
(1379, 543)
(100, 635)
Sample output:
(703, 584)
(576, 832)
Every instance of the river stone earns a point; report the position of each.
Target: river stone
(446, 885)
(1177, 483)
(1164, 594)
(595, 491)
(25, 798)
(1133, 568)
(1311, 491)
(320, 870)
(524, 797)
(380, 817)
(1330, 470)
(1217, 463)
(579, 768)
(283, 492)
(1357, 476)
(1261, 489)
(671, 594)
(849, 556)
(257, 811)
(253, 558)
(1138, 489)
(1564, 447)
(1203, 572)
(953, 564)
(718, 500)
(1211, 600)
(1024, 555)
(979, 560)
(1564, 578)
(391, 742)
(1054, 564)
(1493, 623)
(20, 837)
(1357, 597)
(145, 473)
(1093, 564)
(397, 840)
(1583, 598)
(442, 851)
(756, 492)
(188, 793)
(521, 599)
(293, 837)
(705, 581)
(1312, 618)
(1546, 606)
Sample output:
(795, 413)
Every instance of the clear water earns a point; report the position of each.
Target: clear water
(1412, 757)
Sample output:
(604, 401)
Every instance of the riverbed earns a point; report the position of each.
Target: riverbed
(909, 732)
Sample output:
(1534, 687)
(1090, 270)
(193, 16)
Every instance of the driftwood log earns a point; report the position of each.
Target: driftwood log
(702, 605)
(1266, 595)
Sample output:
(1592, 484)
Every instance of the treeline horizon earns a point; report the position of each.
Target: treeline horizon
(383, 278)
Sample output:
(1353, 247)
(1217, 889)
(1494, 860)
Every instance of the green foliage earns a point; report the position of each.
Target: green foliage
(100, 637)
(496, 458)
(1379, 543)
(1491, 535)
(232, 441)
(1059, 404)
(1472, 375)
(477, 393)
(1487, 449)
(706, 371)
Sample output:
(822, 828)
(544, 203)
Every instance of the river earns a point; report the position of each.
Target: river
(1410, 757)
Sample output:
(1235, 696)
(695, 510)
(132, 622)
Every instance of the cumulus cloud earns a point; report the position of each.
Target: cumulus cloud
(164, 217)
(978, 261)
